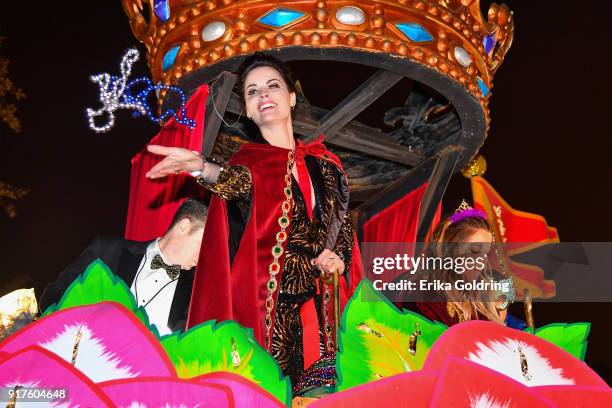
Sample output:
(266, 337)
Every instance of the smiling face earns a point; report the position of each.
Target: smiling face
(267, 98)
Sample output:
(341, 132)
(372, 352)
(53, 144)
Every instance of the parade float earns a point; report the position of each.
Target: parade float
(95, 347)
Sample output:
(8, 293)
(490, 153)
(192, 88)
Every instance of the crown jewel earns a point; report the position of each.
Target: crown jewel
(466, 211)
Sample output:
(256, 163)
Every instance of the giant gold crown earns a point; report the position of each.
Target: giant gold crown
(449, 36)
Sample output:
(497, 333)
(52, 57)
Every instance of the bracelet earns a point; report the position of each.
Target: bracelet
(199, 175)
(200, 172)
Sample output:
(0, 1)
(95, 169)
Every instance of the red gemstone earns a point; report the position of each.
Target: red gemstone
(274, 267)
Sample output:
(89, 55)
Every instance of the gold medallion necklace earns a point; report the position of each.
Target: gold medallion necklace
(277, 250)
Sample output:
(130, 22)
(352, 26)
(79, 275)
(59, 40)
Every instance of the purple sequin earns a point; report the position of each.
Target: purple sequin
(469, 213)
(321, 374)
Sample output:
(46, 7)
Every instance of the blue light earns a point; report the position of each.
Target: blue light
(484, 89)
(414, 31)
(169, 58)
(280, 17)
(161, 9)
(139, 101)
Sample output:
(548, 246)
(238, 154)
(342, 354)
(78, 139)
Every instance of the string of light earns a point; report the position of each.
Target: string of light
(116, 92)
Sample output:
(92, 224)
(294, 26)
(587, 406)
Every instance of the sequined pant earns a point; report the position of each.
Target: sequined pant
(287, 337)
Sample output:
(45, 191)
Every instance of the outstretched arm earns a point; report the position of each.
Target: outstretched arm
(230, 183)
(177, 160)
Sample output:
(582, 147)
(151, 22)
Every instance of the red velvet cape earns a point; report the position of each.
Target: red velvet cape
(238, 291)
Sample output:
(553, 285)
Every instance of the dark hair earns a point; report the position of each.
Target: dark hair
(264, 60)
(193, 209)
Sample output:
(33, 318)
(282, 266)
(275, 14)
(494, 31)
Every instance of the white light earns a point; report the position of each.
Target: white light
(111, 93)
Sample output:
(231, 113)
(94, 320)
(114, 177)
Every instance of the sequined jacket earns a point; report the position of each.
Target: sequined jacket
(306, 237)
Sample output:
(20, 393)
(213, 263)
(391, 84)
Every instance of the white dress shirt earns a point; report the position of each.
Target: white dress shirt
(154, 289)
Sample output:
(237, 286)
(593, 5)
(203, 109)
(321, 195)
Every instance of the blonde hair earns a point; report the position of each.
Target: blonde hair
(469, 304)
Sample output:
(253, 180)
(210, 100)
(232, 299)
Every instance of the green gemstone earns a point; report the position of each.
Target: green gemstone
(277, 250)
(283, 221)
(271, 284)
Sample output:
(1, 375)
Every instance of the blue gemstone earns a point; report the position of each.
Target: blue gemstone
(489, 43)
(161, 9)
(280, 17)
(414, 31)
(484, 89)
(169, 58)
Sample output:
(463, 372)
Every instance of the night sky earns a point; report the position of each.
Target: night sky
(547, 149)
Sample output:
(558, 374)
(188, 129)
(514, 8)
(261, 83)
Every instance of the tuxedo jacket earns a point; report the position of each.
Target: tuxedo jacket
(123, 257)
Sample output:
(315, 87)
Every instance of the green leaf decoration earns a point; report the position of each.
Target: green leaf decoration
(571, 337)
(98, 284)
(226, 346)
(375, 338)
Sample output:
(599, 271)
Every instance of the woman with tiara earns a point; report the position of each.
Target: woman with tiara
(277, 226)
(466, 234)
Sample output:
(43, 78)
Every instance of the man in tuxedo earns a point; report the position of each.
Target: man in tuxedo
(159, 272)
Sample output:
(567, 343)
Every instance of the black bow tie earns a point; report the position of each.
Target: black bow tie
(173, 271)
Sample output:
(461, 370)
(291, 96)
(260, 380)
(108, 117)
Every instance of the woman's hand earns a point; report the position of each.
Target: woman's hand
(329, 262)
(177, 160)
(503, 314)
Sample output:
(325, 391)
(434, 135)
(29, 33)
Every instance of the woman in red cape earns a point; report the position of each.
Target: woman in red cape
(276, 221)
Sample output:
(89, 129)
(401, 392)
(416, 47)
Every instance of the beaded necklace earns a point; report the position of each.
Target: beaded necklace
(277, 250)
(274, 267)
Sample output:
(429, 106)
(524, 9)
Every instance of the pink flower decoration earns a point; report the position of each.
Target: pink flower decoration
(40, 369)
(113, 343)
(521, 356)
